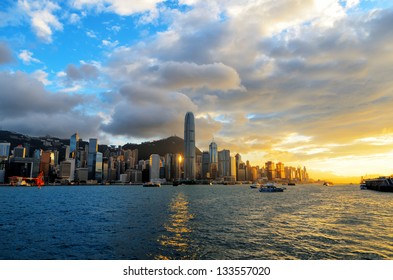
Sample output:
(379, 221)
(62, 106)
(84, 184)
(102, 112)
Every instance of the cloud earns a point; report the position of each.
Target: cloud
(28, 108)
(27, 57)
(91, 34)
(42, 18)
(5, 54)
(85, 72)
(74, 18)
(176, 75)
(41, 76)
(120, 7)
(110, 44)
(137, 110)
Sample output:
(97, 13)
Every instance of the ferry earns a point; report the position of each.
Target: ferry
(270, 187)
(382, 184)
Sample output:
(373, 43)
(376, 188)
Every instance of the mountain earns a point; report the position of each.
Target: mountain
(170, 145)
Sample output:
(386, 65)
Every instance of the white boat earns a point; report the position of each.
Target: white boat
(255, 186)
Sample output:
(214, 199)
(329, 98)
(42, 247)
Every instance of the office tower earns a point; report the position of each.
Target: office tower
(271, 170)
(20, 151)
(45, 163)
(5, 150)
(238, 159)
(242, 172)
(74, 146)
(213, 160)
(224, 163)
(4, 156)
(205, 165)
(189, 146)
(99, 166)
(27, 147)
(154, 167)
(233, 168)
(213, 152)
(91, 158)
(280, 170)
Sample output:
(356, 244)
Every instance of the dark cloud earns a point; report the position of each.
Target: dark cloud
(84, 72)
(5, 54)
(147, 112)
(22, 94)
(28, 108)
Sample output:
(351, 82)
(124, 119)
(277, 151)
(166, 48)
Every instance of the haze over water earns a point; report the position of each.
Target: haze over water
(195, 222)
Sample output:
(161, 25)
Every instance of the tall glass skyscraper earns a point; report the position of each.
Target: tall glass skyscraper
(213, 152)
(189, 146)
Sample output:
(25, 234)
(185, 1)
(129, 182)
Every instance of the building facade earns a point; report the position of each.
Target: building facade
(189, 147)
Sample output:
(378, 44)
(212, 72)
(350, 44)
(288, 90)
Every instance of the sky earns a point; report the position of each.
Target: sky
(301, 82)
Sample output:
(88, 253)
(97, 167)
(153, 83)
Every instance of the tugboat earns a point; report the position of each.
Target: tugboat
(152, 184)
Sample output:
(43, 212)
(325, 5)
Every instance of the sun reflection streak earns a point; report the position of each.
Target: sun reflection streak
(175, 240)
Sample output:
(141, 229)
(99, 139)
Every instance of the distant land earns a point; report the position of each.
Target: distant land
(172, 144)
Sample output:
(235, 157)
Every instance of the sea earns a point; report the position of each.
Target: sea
(195, 222)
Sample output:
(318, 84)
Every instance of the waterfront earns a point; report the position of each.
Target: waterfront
(195, 222)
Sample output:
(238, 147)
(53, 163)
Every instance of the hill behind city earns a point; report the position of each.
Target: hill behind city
(172, 144)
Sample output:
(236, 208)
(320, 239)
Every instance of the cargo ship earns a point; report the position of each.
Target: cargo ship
(382, 184)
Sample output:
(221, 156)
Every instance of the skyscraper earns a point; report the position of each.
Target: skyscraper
(189, 146)
(91, 159)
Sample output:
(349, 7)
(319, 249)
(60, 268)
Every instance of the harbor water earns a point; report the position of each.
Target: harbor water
(195, 222)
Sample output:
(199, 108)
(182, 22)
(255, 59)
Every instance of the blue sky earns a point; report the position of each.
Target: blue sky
(301, 82)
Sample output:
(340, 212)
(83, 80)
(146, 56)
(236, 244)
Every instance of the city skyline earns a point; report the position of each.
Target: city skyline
(303, 83)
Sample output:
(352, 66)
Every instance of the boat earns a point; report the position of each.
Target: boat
(291, 184)
(28, 181)
(327, 184)
(363, 186)
(255, 186)
(175, 183)
(382, 184)
(152, 184)
(270, 187)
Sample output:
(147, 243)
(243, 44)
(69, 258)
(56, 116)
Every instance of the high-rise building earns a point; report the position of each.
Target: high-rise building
(154, 165)
(213, 160)
(224, 163)
(238, 159)
(205, 165)
(91, 159)
(74, 146)
(213, 152)
(233, 168)
(189, 146)
(271, 170)
(99, 167)
(19, 151)
(5, 150)
(280, 170)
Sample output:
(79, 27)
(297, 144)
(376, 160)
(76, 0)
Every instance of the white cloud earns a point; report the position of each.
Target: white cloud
(91, 34)
(42, 18)
(120, 7)
(41, 76)
(74, 18)
(27, 57)
(110, 44)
